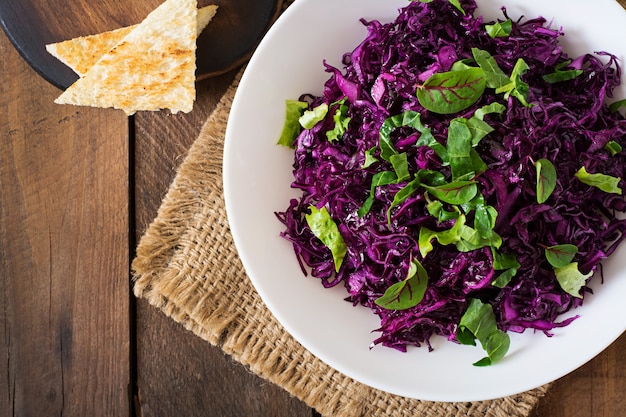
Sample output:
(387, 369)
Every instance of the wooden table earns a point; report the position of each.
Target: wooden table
(78, 187)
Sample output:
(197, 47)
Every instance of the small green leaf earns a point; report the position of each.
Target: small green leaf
(400, 166)
(430, 177)
(445, 237)
(559, 256)
(407, 293)
(408, 118)
(452, 91)
(463, 64)
(500, 29)
(616, 105)
(457, 4)
(613, 147)
(369, 158)
(546, 179)
(459, 145)
(404, 193)
(471, 240)
(457, 192)
(503, 261)
(485, 220)
(492, 108)
(496, 346)
(479, 320)
(478, 164)
(571, 279)
(504, 278)
(606, 183)
(291, 128)
(435, 209)
(560, 75)
(326, 230)
(494, 76)
(479, 129)
(312, 117)
(516, 87)
(380, 178)
(341, 120)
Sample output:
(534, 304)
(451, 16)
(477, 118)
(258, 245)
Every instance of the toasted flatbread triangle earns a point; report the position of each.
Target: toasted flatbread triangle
(151, 68)
(83, 52)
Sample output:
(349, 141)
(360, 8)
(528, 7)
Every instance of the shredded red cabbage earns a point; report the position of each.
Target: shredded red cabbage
(568, 123)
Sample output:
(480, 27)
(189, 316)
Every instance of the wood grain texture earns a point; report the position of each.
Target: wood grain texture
(597, 389)
(177, 372)
(226, 43)
(64, 293)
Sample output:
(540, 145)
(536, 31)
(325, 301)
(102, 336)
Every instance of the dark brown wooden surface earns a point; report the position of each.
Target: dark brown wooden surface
(223, 45)
(78, 186)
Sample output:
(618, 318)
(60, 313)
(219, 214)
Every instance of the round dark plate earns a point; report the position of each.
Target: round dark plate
(226, 43)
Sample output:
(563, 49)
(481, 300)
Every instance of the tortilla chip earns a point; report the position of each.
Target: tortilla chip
(151, 68)
(83, 52)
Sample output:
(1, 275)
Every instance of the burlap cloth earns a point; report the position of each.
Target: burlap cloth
(187, 266)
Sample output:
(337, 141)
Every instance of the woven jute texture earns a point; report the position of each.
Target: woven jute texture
(187, 266)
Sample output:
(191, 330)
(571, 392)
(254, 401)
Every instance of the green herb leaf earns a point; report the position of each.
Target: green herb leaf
(445, 237)
(479, 320)
(312, 117)
(559, 256)
(380, 178)
(613, 147)
(291, 128)
(456, 192)
(407, 293)
(408, 118)
(571, 279)
(326, 230)
(430, 177)
(517, 88)
(404, 193)
(494, 76)
(492, 108)
(496, 346)
(341, 120)
(504, 278)
(471, 240)
(546, 179)
(485, 220)
(435, 208)
(400, 166)
(457, 4)
(369, 158)
(606, 183)
(478, 128)
(559, 75)
(500, 29)
(463, 64)
(615, 106)
(504, 262)
(452, 91)
(459, 145)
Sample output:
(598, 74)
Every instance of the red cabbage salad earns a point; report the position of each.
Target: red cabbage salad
(459, 178)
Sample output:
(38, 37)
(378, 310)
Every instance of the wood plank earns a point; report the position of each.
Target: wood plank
(179, 373)
(595, 390)
(64, 293)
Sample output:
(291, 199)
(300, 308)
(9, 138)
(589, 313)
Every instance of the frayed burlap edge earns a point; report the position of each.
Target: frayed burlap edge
(187, 266)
